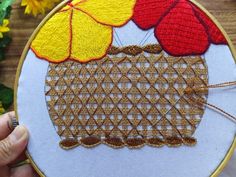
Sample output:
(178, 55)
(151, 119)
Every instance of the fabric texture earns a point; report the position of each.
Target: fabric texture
(132, 97)
(81, 31)
(180, 27)
(108, 12)
(214, 134)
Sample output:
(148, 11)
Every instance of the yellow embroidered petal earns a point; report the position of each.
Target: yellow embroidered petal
(70, 4)
(90, 39)
(53, 40)
(72, 34)
(109, 12)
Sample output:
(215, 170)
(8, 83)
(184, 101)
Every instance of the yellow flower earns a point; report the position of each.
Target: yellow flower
(4, 28)
(37, 6)
(82, 30)
(2, 110)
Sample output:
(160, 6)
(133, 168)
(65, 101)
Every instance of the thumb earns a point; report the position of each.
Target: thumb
(13, 145)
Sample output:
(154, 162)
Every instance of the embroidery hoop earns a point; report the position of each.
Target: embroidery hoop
(230, 152)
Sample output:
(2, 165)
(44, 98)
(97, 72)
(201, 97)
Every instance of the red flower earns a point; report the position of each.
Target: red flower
(180, 27)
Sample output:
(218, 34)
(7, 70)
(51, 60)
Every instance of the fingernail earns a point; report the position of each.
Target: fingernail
(12, 123)
(19, 134)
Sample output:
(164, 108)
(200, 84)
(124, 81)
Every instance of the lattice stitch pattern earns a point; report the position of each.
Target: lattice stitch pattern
(134, 96)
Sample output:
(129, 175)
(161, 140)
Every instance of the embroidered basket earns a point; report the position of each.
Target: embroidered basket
(132, 97)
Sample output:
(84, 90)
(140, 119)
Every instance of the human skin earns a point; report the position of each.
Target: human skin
(12, 147)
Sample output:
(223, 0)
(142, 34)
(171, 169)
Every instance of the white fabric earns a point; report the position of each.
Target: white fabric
(230, 169)
(215, 133)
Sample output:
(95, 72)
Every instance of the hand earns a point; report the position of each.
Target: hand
(12, 146)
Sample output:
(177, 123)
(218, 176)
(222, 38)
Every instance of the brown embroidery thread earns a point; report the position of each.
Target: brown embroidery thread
(132, 97)
(189, 91)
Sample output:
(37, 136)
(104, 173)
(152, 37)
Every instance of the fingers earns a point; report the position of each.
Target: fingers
(25, 171)
(5, 124)
(19, 159)
(12, 146)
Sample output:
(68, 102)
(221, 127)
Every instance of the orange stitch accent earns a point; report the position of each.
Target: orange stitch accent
(71, 32)
(106, 24)
(71, 59)
(80, 2)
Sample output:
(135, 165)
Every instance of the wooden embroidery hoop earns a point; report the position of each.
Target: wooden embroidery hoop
(230, 152)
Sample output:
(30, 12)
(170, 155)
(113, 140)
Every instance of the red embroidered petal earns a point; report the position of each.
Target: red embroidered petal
(181, 33)
(147, 13)
(214, 33)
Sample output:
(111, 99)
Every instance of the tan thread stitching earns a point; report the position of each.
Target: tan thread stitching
(204, 89)
(128, 98)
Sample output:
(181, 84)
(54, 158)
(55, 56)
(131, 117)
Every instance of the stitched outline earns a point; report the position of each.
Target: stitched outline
(197, 14)
(89, 59)
(163, 46)
(198, 17)
(70, 48)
